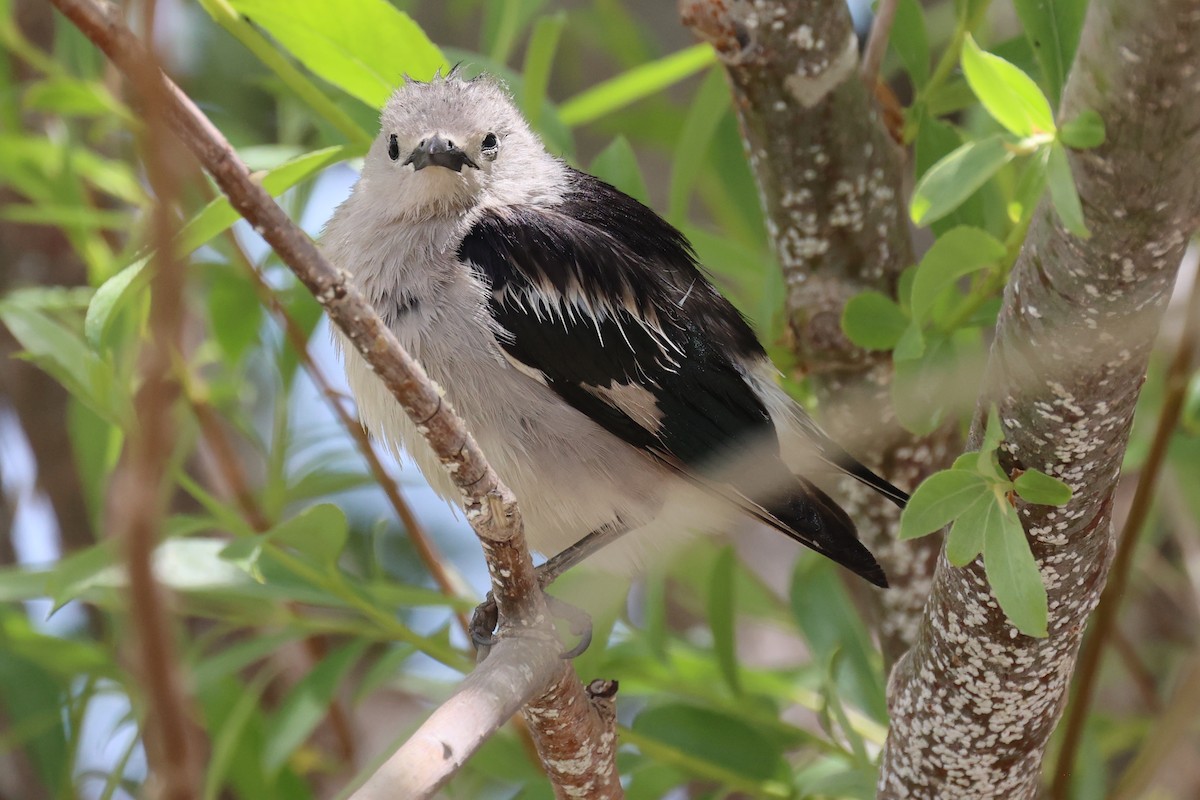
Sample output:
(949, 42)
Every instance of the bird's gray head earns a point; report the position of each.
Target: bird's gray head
(449, 145)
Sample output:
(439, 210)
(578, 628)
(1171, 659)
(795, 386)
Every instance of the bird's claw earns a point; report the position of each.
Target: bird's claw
(486, 617)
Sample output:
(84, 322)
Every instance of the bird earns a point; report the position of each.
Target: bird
(609, 383)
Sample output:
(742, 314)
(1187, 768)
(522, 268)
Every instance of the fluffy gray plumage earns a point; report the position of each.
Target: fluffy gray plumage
(601, 373)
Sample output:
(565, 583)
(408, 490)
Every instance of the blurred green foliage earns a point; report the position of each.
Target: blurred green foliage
(296, 87)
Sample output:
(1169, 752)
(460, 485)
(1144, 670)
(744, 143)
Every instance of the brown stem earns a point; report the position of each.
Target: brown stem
(1105, 619)
(877, 42)
(137, 501)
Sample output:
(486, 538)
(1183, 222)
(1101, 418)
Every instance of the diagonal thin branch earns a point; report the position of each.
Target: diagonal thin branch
(877, 42)
(490, 506)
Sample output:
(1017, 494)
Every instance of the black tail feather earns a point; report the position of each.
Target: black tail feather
(811, 517)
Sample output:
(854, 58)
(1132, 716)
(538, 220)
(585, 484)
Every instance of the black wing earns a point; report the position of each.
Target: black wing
(603, 299)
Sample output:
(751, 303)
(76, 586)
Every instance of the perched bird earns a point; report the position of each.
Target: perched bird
(609, 383)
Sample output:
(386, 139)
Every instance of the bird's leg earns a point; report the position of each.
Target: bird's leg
(486, 616)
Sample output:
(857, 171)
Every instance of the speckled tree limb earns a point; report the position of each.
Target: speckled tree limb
(830, 180)
(490, 506)
(974, 703)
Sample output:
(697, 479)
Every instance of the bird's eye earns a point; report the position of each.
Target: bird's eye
(393, 148)
(490, 146)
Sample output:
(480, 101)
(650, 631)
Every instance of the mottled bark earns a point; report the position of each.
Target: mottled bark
(830, 180)
(974, 703)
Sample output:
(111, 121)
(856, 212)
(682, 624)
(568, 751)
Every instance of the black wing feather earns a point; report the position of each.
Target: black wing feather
(571, 293)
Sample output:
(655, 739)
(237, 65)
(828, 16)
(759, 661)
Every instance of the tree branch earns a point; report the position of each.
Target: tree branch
(831, 182)
(490, 507)
(974, 703)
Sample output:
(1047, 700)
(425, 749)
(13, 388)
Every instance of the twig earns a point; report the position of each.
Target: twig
(516, 668)
(881, 30)
(137, 499)
(490, 507)
(1104, 620)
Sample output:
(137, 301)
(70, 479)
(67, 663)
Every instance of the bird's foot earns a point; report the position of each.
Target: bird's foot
(486, 617)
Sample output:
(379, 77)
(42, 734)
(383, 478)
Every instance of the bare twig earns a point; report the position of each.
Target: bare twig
(1105, 619)
(516, 667)
(137, 507)
(490, 506)
(877, 42)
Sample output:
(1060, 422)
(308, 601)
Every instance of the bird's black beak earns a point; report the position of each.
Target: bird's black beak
(438, 152)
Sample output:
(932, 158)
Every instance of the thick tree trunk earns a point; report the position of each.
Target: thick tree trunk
(974, 703)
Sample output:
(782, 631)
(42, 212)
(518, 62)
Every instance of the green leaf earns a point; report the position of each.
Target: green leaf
(218, 215)
(319, 531)
(63, 354)
(66, 216)
(365, 48)
(956, 177)
(1052, 27)
(958, 252)
(229, 738)
(1190, 418)
(32, 699)
(708, 108)
(825, 615)
(911, 344)
(939, 499)
(1063, 192)
(1008, 94)
(1035, 486)
(993, 432)
(988, 461)
(539, 57)
(234, 311)
(1083, 132)
(1013, 573)
(74, 97)
(722, 617)
(636, 84)
(874, 321)
(1030, 187)
(307, 704)
(964, 542)
(618, 165)
(910, 40)
(111, 297)
(712, 736)
(503, 23)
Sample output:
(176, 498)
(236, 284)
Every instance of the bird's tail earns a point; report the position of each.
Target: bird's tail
(811, 517)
